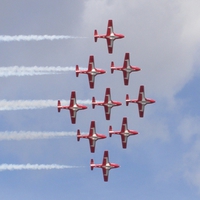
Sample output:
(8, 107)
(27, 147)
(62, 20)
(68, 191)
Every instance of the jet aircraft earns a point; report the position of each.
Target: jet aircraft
(110, 36)
(92, 136)
(126, 69)
(91, 72)
(108, 103)
(106, 165)
(73, 107)
(125, 132)
(141, 101)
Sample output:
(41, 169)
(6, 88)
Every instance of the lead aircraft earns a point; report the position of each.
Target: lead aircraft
(110, 36)
(91, 72)
(125, 132)
(92, 136)
(108, 103)
(126, 69)
(106, 165)
(73, 107)
(141, 101)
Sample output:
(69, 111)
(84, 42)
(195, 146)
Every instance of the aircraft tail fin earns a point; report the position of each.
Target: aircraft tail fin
(93, 102)
(95, 35)
(127, 100)
(112, 66)
(78, 135)
(59, 105)
(92, 164)
(77, 70)
(110, 129)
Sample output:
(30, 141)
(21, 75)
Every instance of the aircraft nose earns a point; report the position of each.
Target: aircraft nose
(117, 166)
(119, 103)
(122, 36)
(153, 101)
(138, 69)
(84, 107)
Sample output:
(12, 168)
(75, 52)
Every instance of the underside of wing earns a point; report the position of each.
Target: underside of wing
(109, 27)
(141, 94)
(124, 141)
(141, 110)
(126, 77)
(73, 116)
(110, 45)
(91, 80)
(105, 174)
(107, 112)
(92, 145)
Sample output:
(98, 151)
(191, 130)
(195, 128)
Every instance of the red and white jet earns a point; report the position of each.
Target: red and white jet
(108, 103)
(106, 165)
(91, 72)
(92, 136)
(110, 36)
(126, 69)
(73, 107)
(125, 132)
(141, 101)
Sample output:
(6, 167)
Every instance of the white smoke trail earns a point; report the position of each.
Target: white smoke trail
(30, 135)
(35, 70)
(9, 38)
(10, 167)
(34, 104)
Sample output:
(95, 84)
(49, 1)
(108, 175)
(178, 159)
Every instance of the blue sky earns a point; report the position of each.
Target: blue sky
(162, 161)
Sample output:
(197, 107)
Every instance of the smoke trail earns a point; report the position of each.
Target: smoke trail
(29, 135)
(34, 104)
(9, 38)
(10, 167)
(35, 70)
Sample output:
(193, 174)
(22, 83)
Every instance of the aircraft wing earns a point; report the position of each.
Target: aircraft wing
(141, 109)
(126, 77)
(109, 27)
(73, 98)
(125, 66)
(107, 112)
(92, 145)
(73, 116)
(105, 174)
(126, 60)
(141, 95)
(110, 45)
(107, 95)
(124, 124)
(124, 141)
(91, 63)
(91, 80)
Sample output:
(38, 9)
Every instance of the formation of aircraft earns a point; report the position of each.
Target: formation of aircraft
(110, 36)
(126, 69)
(91, 72)
(106, 165)
(73, 107)
(141, 101)
(108, 103)
(125, 132)
(92, 136)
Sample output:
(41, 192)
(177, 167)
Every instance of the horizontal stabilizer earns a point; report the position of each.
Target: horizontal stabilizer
(110, 129)
(127, 100)
(112, 66)
(93, 102)
(58, 106)
(92, 164)
(78, 135)
(77, 70)
(95, 35)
